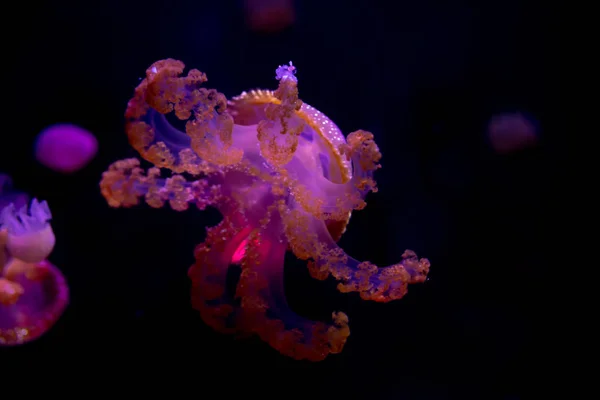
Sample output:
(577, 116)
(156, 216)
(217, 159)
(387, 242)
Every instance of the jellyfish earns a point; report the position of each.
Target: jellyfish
(284, 178)
(33, 292)
(65, 148)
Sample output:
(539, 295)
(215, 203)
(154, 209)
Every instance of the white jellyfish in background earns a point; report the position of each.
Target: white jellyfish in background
(30, 237)
(33, 292)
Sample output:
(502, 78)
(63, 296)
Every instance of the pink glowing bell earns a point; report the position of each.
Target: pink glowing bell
(65, 148)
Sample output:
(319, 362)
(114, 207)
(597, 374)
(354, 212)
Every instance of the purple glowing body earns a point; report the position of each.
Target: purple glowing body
(65, 148)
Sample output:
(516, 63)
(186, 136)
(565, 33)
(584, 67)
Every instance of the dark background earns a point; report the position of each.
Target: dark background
(425, 77)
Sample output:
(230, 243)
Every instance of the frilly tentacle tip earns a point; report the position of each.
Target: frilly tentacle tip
(25, 219)
(284, 72)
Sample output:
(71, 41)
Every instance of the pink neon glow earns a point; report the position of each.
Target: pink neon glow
(238, 254)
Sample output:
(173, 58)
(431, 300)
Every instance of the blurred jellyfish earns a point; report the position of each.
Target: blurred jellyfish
(65, 148)
(33, 292)
(512, 132)
(269, 16)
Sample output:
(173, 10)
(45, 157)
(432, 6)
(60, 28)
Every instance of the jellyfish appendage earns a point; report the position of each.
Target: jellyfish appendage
(278, 132)
(310, 240)
(208, 129)
(208, 135)
(209, 273)
(264, 309)
(125, 183)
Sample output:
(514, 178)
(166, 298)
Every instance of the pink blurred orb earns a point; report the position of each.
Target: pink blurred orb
(65, 148)
(509, 133)
(269, 16)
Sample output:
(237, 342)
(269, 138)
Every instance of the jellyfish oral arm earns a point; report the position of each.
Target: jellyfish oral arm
(125, 183)
(260, 293)
(263, 301)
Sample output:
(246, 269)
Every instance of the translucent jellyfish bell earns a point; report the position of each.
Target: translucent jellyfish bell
(30, 236)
